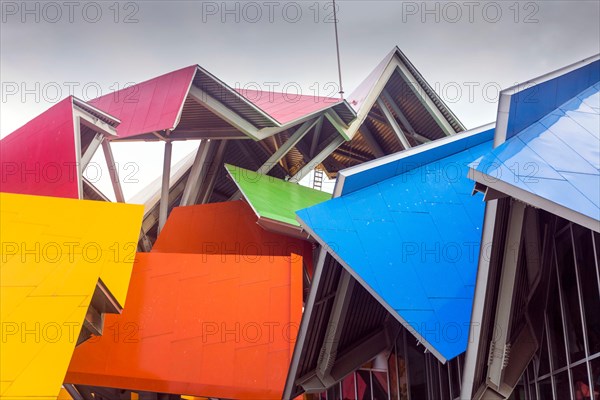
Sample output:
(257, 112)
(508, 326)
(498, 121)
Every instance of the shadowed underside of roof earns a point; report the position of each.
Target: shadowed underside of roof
(359, 96)
(367, 317)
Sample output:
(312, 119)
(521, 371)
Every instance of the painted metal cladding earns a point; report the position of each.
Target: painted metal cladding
(150, 106)
(413, 241)
(537, 100)
(54, 252)
(224, 227)
(556, 158)
(275, 198)
(213, 321)
(40, 157)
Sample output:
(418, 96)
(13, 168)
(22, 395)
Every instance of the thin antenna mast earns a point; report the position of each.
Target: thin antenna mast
(337, 47)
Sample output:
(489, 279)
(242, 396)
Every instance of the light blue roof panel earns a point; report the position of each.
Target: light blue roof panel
(412, 239)
(556, 159)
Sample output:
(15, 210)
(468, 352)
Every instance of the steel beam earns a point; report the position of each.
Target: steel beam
(208, 133)
(426, 101)
(337, 123)
(164, 194)
(337, 319)
(477, 314)
(364, 350)
(396, 109)
(112, 171)
(91, 150)
(371, 141)
(499, 341)
(223, 111)
(393, 123)
(377, 118)
(318, 159)
(84, 392)
(287, 146)
(197, 174)
(216, 164)
(316, 135)
(77, 137)
(304, 323)
(73, 392)
(144, 242)
(278, 143)
(96, 124)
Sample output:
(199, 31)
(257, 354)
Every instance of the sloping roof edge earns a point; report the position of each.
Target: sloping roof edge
(531, 87)
(392, 60)
(376, 171)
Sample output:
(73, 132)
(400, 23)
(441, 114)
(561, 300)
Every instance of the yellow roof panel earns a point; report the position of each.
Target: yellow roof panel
(53, 252)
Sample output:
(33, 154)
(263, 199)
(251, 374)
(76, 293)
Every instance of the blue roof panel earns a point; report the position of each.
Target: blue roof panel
(556, 158)
(538, 99)
(412, 239)
(397, 164)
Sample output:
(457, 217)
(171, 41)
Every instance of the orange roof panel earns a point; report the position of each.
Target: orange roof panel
(199, 324)
(228, 228)
(212, 321)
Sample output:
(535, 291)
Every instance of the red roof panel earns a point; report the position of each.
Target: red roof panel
(287, 107)
(150, 106)
(40, 157)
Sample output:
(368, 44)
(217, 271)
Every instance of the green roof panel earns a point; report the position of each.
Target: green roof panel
(275, 198)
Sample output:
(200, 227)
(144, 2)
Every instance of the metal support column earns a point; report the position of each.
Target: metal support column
(393, 123)
(164, 193)
(112, 171)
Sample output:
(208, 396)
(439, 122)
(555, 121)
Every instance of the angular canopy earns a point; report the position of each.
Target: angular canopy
(410, 234)
(551, 156)
(275, 199)
(213, 311)
(55, 253)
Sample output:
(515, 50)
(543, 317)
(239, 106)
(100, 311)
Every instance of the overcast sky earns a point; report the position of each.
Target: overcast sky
(466, 50)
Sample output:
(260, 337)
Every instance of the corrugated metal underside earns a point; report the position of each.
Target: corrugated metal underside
(90, 192)
(250, 154)
(196, 116)
(414, 111)
(87, 135)
(211, 85)
(358, 150)
(446, 112)
(364, 317)
(93, 111)
(346, 113)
